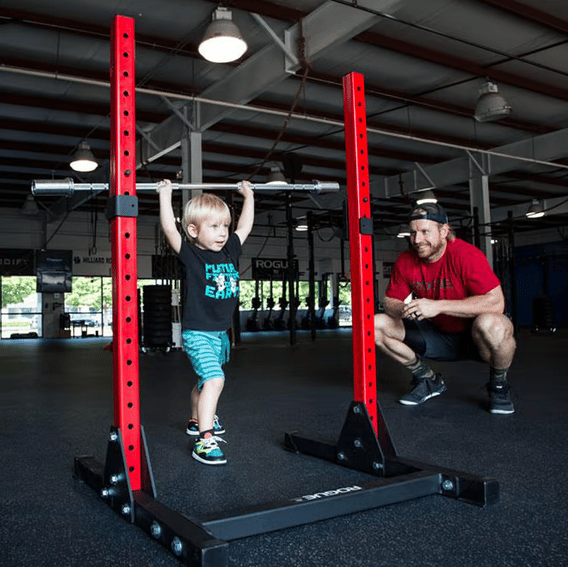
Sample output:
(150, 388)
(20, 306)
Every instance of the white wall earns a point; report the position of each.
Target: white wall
(76, 234)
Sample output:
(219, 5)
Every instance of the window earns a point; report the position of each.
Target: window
(89, 306)
(21, 307)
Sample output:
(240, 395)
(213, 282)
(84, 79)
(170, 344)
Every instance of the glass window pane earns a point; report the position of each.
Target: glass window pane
(85, 306)
(345, 304)
(21, 306)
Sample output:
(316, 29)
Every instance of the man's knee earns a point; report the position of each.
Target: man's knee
(387, 327)
(494, 329)
(383, 322)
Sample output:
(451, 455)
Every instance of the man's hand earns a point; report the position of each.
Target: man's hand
(419, 309)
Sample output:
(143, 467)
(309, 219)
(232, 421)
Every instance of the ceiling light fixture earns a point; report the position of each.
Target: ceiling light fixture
(426, 197)
(275, 177)
(301, 224)
(83, 159)
(491, 105)
(536, 210)
(222, 42)
(403, 232)
(30, 208)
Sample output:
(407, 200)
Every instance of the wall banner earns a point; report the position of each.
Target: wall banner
(271, 268)
(17, 262)
(85, 264)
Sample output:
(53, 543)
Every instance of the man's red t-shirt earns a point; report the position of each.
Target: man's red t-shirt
(463, 271)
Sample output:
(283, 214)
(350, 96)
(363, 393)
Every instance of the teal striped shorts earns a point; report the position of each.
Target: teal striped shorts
(207, 351)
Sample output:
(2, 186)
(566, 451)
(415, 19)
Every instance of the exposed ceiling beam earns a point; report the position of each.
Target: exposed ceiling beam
(545, 148)
(86, 29)
(269, 134)
(464, 65)
(374, 123)
(67, 105)
(267, 9)
(326, 27)
(313, 76)
(530, 13)
(156, 117)
(545, 180)
(446, 107)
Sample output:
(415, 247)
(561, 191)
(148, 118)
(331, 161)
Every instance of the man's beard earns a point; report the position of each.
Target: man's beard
(429, 250)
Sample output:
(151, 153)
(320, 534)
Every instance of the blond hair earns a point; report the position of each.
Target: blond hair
(204, 206)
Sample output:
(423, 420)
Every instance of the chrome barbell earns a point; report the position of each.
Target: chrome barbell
(67, 187)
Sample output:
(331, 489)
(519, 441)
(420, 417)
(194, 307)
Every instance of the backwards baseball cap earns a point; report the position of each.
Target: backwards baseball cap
(429, 211)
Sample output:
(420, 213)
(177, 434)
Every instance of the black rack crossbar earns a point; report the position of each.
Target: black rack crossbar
(67, 187)
(322, 505)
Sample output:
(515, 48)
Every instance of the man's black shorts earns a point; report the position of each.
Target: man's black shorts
(426, 340)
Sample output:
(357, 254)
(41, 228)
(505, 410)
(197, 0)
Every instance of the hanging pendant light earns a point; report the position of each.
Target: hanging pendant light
(83, 159)
(223, 41)
(491, 105)
(536, 210)
(275, 177)
(30, 208)
(301, 224)
(426, 197)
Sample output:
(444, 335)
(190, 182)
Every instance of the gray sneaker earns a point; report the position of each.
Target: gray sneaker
(500, 400)
(423, 389)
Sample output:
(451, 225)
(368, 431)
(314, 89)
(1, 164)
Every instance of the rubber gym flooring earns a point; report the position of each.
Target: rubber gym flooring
(56, 404)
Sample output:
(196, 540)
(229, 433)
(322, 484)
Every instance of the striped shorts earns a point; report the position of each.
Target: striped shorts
(207, 351)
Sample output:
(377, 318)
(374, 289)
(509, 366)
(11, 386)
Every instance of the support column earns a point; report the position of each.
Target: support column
(52, 307)
(191, 161)
(479, 197)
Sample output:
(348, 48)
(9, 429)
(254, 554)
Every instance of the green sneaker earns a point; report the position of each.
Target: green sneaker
(207, 451)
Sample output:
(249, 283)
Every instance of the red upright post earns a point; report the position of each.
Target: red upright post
(123, 235)
(361, 245)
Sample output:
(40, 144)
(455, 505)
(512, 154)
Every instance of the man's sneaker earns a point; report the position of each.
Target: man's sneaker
(423, 389)
(193, 427)
(208, 451)
(500, 399)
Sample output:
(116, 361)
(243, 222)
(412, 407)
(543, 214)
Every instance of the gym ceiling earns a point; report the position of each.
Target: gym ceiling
(423, 61)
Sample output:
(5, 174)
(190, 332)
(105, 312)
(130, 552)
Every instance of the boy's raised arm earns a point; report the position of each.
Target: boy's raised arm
(246, 220)
(167, 218)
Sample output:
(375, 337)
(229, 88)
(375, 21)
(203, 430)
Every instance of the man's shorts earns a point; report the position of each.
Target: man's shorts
(426, 340)
(207, 351)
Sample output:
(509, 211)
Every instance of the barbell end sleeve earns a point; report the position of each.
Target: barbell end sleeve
(50, 187)
(329, 187)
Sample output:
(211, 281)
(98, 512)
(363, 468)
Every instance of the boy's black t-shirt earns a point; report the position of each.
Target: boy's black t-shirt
(212, 285)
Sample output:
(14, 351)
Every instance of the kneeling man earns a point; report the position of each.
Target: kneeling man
(444, 302)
